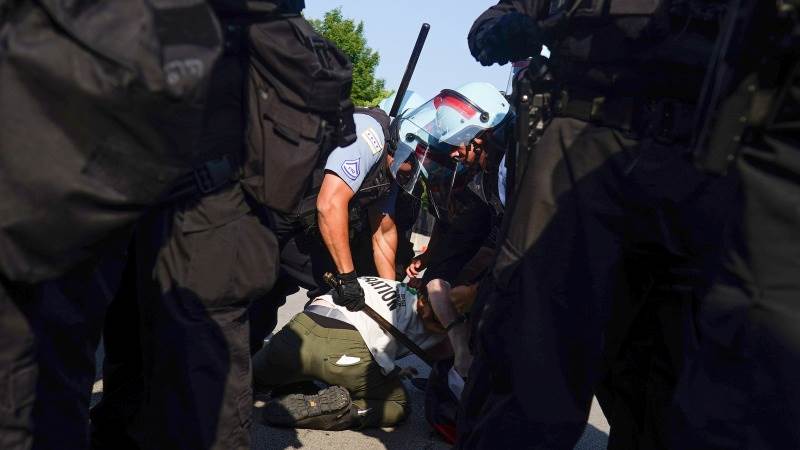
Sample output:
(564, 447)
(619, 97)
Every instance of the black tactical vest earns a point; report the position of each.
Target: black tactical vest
(249, 7)
(377, 183)
(653, 48)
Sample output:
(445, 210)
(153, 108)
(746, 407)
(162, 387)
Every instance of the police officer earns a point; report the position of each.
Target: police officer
(603, 248)
(346, 222)
(356, 177)
(465, 222)
(179, 376)
(740, 390)
(85, 147)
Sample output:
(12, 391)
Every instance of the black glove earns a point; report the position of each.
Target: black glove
(512, 37)
(348, 292)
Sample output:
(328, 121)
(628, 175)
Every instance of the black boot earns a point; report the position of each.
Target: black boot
(329, 409)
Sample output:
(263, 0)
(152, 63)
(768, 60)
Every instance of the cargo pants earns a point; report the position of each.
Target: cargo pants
(304, 350)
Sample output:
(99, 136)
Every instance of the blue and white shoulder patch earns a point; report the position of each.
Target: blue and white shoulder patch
(352, 168)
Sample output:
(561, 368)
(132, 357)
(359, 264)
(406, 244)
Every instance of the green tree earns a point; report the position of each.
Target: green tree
(349, 37)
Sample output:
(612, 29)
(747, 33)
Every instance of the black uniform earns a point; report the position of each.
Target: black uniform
(89, 99)
(610, 231)
(181, 378)
(475, 213)
(742, 389)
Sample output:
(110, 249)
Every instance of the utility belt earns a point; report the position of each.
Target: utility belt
(204, 179)
(663, 119)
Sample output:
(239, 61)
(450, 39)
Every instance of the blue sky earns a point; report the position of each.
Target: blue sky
(391, 28)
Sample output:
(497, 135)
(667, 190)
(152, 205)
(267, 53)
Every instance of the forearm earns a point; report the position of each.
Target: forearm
(439, 297)
(334, 226)
(384, 243)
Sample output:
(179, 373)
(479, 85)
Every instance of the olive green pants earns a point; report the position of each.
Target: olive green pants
(304, 350)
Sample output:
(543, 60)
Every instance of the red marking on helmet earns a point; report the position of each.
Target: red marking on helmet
(465, 109)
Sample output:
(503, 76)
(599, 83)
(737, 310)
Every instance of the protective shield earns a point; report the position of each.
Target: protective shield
(428, 142)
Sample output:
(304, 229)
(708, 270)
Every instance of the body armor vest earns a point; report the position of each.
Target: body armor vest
(656, 48)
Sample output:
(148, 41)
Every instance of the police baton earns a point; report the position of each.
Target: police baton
(386, 326)
(412, 64)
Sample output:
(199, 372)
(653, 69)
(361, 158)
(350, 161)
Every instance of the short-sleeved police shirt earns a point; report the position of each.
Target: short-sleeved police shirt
(352, 163)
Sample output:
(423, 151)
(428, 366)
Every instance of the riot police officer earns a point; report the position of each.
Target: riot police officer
(89, 97)
(603, 249)
(740, 389)
(177, 372)
(469, 211)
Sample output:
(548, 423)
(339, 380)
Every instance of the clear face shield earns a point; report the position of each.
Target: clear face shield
(429, 139)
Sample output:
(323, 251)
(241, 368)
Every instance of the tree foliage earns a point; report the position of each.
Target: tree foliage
(349, 37)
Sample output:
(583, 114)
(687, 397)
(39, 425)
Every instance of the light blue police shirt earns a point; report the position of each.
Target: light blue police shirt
(352, 163)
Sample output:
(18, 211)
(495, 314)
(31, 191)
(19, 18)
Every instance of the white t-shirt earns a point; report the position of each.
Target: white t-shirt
(396, 303)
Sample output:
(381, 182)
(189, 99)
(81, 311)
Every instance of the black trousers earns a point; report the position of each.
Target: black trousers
(49, 334)
(742, 389)
(179, 376)
(18, 370)
(602, 222)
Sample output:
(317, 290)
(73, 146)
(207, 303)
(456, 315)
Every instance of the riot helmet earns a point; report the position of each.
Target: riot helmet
(429, 136)
(411, 100)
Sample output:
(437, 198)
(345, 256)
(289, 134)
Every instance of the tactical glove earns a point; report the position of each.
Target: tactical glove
(512, 37)
(348, 292)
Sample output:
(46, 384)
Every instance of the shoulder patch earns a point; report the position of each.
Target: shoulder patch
(352, 168)
(372, 139)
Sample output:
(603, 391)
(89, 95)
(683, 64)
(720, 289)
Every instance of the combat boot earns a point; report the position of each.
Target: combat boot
(328, 409)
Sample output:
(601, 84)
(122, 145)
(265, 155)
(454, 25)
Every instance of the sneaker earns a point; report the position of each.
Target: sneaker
(328, 409)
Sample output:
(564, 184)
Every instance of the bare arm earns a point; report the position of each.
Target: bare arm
(333, 218)
(439, 297)
(420, 262)
(384, 243)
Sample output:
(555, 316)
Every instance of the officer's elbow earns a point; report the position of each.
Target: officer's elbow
(326, 206)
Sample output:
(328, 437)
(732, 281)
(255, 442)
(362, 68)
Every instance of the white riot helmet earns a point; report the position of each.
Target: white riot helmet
(427, 136)
(411, 100)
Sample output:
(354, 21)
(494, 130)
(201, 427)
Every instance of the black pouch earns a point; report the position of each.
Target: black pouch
(299, 108)
(99, 104)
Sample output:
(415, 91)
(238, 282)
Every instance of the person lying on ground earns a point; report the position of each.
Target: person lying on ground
(348, 351)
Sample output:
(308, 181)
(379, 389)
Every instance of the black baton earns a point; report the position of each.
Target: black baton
(386, 326)
(412, 64)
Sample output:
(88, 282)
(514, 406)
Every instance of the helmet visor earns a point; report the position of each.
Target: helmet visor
(429, 141)
(449, 119)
